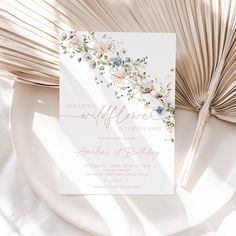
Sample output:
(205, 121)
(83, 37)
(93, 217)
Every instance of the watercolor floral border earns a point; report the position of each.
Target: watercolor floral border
(128, 77)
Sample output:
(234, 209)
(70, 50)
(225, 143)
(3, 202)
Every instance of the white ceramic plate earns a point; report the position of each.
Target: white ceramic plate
(35, 126)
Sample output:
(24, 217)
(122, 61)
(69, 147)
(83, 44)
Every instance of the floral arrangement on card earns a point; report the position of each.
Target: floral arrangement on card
(206, 48)
(128, 77)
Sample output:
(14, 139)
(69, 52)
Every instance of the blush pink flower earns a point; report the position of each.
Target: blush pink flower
(92, 64)
(100, 47)
(74, 42)
(118, 76)
(146, 87)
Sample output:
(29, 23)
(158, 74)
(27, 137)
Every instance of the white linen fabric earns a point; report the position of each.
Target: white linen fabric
(22, 213)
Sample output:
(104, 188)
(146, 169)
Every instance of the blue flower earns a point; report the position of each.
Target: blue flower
(160, 110)
(116, 61)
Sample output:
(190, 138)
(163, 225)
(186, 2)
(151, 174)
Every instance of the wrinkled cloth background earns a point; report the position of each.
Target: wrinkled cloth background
(22, 213)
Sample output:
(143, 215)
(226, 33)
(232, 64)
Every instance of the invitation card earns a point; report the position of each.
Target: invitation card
(117, 108)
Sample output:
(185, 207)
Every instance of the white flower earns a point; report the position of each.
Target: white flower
(156, 94)
(63, 36)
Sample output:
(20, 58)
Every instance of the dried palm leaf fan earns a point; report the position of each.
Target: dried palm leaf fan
(206, 45)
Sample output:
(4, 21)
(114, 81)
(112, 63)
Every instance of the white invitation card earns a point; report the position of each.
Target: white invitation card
(117, 108)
